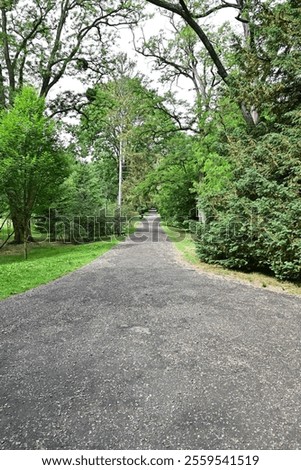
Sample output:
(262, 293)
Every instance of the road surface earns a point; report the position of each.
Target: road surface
(139, 351)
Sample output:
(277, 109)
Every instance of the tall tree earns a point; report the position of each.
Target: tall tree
(169, 185)
(32, 164)
(126, 121)
(253, 210)
(192, 12)
(43, 40)
(269, 75)
(183, 56)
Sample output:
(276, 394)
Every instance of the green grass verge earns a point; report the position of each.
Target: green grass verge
(46, 262)
(185, 244)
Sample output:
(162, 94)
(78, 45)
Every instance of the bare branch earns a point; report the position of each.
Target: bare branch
(166, 5)
(8, 237)
(32, 33)
(215, 9)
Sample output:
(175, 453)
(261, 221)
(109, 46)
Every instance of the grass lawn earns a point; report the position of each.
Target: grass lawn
(186, 246)
(46, 262)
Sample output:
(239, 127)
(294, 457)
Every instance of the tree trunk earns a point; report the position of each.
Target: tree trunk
(7, 57)
(20, 229)
(182, 10)
(25, 238)
(18, 225)
(51, 225)
(2, 92)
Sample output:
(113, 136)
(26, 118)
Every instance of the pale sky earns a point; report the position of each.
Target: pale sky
(150, 27)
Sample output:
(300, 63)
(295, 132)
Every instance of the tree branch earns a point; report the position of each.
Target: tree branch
(47, 75)
(8, 237)
(215, 9)
(2, 90)
(166, 5)
(31, 34)
(189, 18)
(9, 64)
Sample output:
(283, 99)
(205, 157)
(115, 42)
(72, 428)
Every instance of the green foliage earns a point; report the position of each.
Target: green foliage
(125, 119)
(240, 171)
(170, 184)
(82, 192)
(42, 41)
(249, 190)
(32, 162)
(266, 76)
(254, 223)
(82, 211)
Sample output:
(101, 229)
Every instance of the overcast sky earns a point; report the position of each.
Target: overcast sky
(150, 27)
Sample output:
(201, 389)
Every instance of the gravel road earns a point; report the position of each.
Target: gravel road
(139, 351)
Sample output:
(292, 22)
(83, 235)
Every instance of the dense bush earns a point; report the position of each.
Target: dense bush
(85, 228)
(81, 213)
(255, 222)
(170, 185)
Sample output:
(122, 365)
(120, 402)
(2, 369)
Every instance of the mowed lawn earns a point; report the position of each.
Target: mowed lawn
(46, 262)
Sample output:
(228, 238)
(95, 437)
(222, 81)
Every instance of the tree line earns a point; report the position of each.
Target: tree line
(226, 164)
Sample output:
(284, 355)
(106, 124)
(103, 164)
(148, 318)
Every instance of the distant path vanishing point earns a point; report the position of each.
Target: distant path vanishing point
(139, 351)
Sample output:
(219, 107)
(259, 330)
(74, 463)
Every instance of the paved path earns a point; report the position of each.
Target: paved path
(136, 351)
